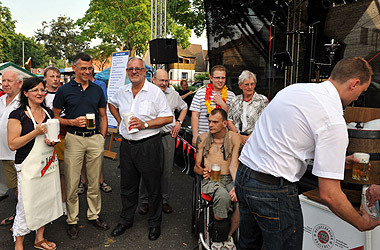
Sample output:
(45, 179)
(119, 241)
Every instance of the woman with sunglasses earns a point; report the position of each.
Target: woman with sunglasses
(39, 198)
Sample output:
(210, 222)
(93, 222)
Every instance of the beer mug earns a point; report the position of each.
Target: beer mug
(90, 121)
(126, 119)
(52, 126)
(360, 171)
(215, 172)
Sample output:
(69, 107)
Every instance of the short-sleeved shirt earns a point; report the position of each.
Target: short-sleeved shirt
(27, 126)
(49, 98)
(175, 103)
(198, 105)
(303, 121)
(78, 102)
(148, 104)
(5, 152)
(246, 113)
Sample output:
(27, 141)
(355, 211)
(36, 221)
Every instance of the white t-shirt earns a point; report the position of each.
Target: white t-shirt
(147, 105)
(304, 121)
(5, 152)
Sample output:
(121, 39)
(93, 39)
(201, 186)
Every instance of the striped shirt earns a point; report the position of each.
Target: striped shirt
(198, 105)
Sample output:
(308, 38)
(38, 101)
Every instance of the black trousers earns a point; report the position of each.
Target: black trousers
(141, 160)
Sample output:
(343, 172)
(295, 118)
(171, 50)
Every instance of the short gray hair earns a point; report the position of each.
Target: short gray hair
(19, 77)
(246, 74)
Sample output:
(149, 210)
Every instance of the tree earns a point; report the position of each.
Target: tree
(32, 49)
(60, 38)
(127, 24)
(101, 54)
(7, 32)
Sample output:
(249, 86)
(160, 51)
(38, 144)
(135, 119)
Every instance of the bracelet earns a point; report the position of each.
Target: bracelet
(179, 121)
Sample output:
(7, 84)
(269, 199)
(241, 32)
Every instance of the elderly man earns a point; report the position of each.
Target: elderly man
(246, 108)
(80, 97)
(12, 82)
(168, 134)
(209, 152)
(140, 152)
(215, 95)
(303, 121)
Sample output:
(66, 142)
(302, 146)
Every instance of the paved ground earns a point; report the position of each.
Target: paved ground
(175, 230)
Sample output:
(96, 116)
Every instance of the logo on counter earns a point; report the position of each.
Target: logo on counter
(323, 236)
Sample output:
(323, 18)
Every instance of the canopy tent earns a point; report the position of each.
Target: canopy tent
(105, 74)
(11, 66)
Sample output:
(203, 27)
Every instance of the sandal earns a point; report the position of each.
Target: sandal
(38, 245)
(7, 221)
(81, 188)
(105, 187)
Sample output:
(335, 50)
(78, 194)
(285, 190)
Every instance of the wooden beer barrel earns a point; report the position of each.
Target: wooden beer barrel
(364, 141)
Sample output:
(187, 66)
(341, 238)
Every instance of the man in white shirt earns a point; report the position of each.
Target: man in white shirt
(216, 95)
(12, 82)
(140, 152)
(168, 134)
(303, 121)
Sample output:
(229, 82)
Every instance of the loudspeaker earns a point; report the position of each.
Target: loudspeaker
(163, 51)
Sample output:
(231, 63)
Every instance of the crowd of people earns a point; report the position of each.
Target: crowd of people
(261, 149)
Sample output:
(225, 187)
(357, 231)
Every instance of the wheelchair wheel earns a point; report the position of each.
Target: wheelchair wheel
(194, 209)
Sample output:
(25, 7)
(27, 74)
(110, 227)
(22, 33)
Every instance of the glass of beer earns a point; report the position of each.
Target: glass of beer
(90, 123)
(360, 170)
(215, 172)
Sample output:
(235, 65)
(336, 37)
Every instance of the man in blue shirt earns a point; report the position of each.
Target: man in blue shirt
(80, 97)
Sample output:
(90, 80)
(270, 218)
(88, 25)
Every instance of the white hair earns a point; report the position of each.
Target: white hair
(246, 74)
(19, 77)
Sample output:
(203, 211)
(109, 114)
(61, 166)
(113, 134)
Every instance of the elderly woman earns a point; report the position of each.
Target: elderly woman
(245, 109)
(39, 195)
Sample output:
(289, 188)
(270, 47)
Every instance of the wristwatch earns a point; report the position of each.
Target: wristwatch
(179, 121)
(145, 124)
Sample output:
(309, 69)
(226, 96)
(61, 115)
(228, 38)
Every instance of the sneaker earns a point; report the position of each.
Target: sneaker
(217, 246)
(229, 244)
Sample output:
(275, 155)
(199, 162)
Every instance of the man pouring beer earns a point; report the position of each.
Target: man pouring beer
(219, 150)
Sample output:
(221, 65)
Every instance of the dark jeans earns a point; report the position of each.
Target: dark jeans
(270, 215)
(141, 161)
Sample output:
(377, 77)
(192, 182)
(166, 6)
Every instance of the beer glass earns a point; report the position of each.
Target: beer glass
(126, 119)
(90, 123)
(360, 170)
(52, 126)
(215, 172)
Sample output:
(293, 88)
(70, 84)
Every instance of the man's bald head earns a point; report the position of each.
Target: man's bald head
(161, 79)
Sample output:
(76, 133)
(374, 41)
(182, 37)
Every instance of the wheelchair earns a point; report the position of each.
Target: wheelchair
(203, 216)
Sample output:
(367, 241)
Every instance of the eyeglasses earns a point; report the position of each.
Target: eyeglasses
(137, 69)
(84, 68)
(163, 80)
(37, 90)
(219, 78)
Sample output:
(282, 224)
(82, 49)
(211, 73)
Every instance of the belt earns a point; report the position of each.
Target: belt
(266, 178)
(84, 134)
(140, 141)
(244, 133)
(165, 133)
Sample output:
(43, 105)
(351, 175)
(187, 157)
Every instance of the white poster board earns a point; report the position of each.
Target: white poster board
(117, 79)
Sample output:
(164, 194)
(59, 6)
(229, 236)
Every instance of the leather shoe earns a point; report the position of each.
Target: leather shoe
(99, 223)
(143, 209)
(166, 208)
(154, 233)
(119, 229)
(72, 231)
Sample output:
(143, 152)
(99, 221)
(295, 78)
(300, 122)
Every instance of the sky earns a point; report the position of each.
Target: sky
(29, 15)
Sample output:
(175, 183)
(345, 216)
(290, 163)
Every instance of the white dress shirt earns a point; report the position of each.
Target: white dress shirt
(148, 104)
(304, 121)
(5, 152)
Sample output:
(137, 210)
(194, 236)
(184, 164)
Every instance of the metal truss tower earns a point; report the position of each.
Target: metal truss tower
(158, 19)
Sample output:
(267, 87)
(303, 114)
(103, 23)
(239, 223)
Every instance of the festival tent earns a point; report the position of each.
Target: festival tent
(11, 66)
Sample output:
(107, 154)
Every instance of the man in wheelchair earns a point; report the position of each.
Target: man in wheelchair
(221, 147)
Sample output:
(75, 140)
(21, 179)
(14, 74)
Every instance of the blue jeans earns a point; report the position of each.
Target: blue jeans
(270, 215)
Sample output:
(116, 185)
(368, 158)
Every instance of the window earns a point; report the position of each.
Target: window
(184, 75)
(364, 36)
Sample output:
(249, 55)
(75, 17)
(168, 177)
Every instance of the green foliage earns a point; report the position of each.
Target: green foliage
(127, 24)
(60, 38)
(7, 32)
(31, 49)
(202, 76)
(101, 54)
